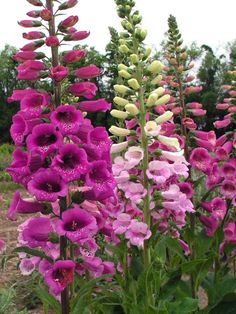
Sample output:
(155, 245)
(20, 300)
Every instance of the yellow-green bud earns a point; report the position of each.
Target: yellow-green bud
(140, 33)
(163, 100)
(159, 91)
(164, 117)
(121, 89)
(134, 58)
(169, 141)
(119, 114)
(127, 25)
(155, 67)
(156, 80)
(132, 109)
(122, 41)
(119, 131)
(152, 99)
(148, 51)
(123, 49)
(137, 18)
(122, 66)
(133, 83)
(125, 74)
(120, 101)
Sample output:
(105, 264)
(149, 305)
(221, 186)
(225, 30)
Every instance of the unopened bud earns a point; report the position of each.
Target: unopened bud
(132, 109)
(156, 80)
(121, 89)
(136, 18)
(127, 25)
(155, 67)
(163, 100)
(121, 66)
(169, 141)
(148, 51)
(125, 74)
(123, 49)
(119, 131)
(119, 114)
(159, 91)
(183, 56)
(134, 58)
(164, 117)
(133, 83)
(120, 101)
(152, 99)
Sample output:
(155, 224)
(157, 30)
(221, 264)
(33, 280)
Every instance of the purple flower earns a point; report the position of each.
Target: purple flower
(28, 265)
(71, 162)
(21, 206)
(210, 223)
(47, 185)
(121, 225)
(88, 72)
(228, 188)
(36, 232)
(77, 224)
(58, 73)
(59, 276)
(45, 139)
(85, 89)
(217, 207)
(101, 180)
(67, 119)
(200, 159)
(95, 105)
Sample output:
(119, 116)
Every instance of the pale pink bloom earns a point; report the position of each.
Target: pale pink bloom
(134, 192)
(159, 171)
(28, 265)
(122, 223)
(152, 128)
(117, 148)
(138, 232)
(134, 155)
(118, 165)
(175, 156)
(122, 178)
(180, 169)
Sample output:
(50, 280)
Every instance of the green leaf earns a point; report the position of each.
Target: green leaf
(186, 305)
(174, 247)
(48, 299)
(33, 252)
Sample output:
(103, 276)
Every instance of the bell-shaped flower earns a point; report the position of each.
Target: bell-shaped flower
(77, 224)
(94, 105)
(71, 162)
(88, 72)
(47, 185)
(67, 119)
(200, 159)
(86, 89)
(137, 233)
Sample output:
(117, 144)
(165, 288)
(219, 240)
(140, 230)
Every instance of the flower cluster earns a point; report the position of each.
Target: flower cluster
(60, 158)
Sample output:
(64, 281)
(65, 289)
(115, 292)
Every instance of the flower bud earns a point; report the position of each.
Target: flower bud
(183, 56)
(33, 35)
(136, 18)
(148, 51)
(140, 33)
(155, 67)
(156, 80)
(123, 49)
(127, 25)
(119, 131)
(52, 41)
(164, 117)
(121, 89)
(119, 114)
(37, 3)
(76, 36)
(68, 22)
(152, 129)
(132, 109)
(125, 74)
(46, 15)
(120, 101)
(68, 4)
(133, 83)
(159, 91)
(30, 23)
(169, 141)
(34, 13)
(152, 99)
(134, 58)
(121, 66)
(163, 100)
(117, 148)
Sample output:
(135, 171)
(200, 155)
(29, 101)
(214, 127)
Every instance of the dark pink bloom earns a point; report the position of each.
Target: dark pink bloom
(34, 13)
(31, 65)
(59, 276)
(19, 94)
(230, 232)
(58, 73)
(185, 247)
(200, 159)
(101, 180)
(30, 23)
(99, 141)
(77, 224)
(222, 124)
(210, 223)
(214, 177)
(21, 206)
(36, 233)
(68, 22)
(47, 185)
(71, 162)
(85, 89)
(88, 72)
(93, 265)
(45, 139)
(32, 105)
(186, 188)
(68, 4)
(37, 3)
(46, 14)
(33, 35)
(18, 129)
(228, 188)
(217, 207)
(22, 56)
(52, 41)
(194, 105)
(206, 136)
(74, 56)
(28, 75)
(94, 105)
(67, 119)
(228, 171)
(33, 45)
(198, 112)
(189, 123)
(222, 106)
(77, 36)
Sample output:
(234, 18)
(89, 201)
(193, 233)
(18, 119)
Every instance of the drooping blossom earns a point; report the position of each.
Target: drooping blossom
(137, 233)
(200, 159)
(85, 89)
(88, 72)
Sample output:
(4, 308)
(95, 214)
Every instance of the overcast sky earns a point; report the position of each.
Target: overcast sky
(209, 22)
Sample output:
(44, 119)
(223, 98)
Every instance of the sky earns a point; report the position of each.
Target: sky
(210, 22)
